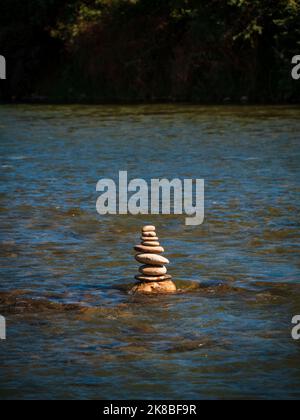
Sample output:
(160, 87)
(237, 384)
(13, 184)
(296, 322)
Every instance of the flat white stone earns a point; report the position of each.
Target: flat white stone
(152, 259)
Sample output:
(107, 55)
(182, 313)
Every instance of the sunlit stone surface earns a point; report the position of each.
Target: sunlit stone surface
(153, 277)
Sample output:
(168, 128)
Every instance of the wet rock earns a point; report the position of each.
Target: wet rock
(155, 287)
(18, 302)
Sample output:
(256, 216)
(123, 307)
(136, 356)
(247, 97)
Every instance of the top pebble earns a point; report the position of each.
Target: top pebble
(149, 229)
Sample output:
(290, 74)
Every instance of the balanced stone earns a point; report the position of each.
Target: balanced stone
(151, 243)
(145, 238)
(149, 228)
(149, 234)
(151, 270)
(152, 259)
(151, 249)
(153, 278)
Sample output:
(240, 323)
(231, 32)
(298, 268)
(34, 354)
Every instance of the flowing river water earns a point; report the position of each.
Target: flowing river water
(73, 330)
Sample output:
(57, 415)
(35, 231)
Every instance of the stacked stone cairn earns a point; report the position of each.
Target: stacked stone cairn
(153, 277)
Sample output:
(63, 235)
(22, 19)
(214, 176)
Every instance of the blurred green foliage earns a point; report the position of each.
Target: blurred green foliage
(150, 50)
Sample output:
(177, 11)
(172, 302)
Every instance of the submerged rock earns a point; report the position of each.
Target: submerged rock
(16, 302)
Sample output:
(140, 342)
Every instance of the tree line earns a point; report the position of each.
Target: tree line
(207, 51)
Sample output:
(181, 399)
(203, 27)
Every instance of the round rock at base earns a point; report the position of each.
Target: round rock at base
(155, 287)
